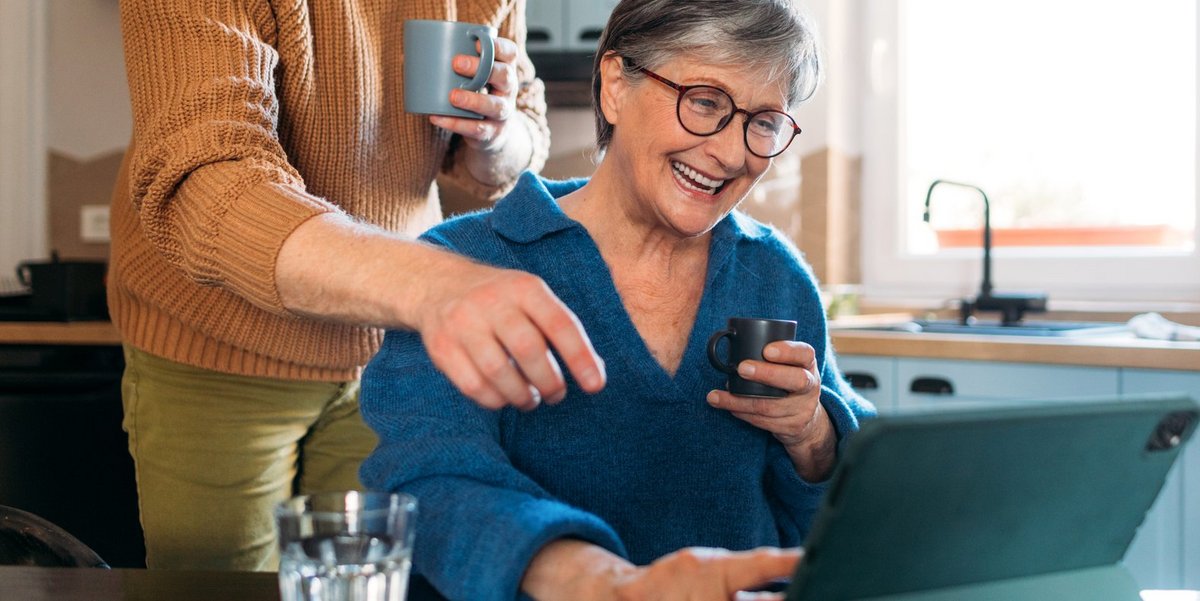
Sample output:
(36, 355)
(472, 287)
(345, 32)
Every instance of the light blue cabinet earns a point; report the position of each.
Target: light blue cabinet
(872, 377)
(932, 382)
(562, 25)
(1166, 551)
(898, 383)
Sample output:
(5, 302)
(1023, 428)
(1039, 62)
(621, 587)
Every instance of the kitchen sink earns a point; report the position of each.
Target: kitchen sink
(995, 328)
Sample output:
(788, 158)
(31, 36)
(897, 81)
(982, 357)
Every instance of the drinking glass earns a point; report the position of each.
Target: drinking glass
(345, 546)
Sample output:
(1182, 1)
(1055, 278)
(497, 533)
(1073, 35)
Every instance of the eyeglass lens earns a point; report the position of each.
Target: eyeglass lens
(705, 110)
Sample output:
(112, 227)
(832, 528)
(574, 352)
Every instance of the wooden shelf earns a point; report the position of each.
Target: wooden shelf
(76, 332)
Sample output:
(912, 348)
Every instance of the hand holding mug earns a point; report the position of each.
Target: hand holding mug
(462, 74)
(496, 104)
(796, 417)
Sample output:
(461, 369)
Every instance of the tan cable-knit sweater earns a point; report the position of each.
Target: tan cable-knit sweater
(251, 116)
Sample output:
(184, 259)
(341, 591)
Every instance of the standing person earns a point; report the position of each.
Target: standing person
(263, 225)
(625, 493)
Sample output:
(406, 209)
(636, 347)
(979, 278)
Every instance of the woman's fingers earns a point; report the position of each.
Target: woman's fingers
(789, 365)
(707, 574)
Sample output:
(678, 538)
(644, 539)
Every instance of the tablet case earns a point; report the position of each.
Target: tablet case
(1037, 501)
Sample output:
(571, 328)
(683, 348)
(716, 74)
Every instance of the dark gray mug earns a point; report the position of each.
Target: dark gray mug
(429, 50)
(747, 337)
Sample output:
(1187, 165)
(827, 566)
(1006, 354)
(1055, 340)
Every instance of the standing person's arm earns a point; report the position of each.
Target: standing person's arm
(472, 318)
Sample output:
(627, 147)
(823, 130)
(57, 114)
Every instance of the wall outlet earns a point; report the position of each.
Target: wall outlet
(93, 223)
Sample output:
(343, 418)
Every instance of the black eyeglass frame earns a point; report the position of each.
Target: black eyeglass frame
(682, 89)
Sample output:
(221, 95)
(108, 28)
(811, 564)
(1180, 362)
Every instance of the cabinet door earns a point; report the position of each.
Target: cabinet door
(585, 22)
(872, 377)
(1166, 551)
(926, 382)
(546, 25)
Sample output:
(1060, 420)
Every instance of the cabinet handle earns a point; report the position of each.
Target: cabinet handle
(537, 35)
(938, 386)
(590, 35)
(861, 381)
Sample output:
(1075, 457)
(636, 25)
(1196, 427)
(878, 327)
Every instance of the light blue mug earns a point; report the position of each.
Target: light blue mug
(429, 49)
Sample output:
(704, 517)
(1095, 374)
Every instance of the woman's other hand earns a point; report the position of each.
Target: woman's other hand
(703, 574)
(579, 571)
(492, 146)
(797, 420)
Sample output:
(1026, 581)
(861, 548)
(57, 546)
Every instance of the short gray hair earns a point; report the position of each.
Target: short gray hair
(772, 36)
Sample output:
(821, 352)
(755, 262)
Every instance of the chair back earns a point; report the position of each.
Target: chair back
(28, 540)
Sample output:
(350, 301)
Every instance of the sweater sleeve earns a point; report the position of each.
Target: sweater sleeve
(481, 521)
(530, 116)
(211, 184)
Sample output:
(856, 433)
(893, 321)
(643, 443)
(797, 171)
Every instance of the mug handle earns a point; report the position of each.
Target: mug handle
(487, 57)
(23, 274)
(712, 351)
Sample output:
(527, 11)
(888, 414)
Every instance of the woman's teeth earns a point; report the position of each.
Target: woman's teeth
(691, 179)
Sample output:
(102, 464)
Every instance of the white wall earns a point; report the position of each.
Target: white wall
(22, 158)
(88, 99)
(62, 90)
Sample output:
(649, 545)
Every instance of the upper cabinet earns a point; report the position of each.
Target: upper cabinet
(562, 39)
(566, 26)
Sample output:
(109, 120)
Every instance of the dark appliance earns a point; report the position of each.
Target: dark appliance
(63, 454)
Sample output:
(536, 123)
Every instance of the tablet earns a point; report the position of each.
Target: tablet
(941, 500)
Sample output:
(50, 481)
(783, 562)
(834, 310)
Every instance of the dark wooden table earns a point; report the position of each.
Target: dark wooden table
(88, 584)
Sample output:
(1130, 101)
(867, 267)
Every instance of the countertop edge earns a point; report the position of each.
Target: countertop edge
(1100, 351)
(71, 333)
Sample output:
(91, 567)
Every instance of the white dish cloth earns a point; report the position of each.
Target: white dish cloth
(1153, 325)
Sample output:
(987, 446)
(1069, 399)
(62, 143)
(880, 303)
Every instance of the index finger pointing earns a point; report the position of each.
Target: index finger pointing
(564, 332)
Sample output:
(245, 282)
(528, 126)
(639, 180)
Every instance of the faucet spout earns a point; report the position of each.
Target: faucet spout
(985, 287)
(1012, 306)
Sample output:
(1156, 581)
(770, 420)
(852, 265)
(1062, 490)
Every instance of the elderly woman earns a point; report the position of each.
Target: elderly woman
(663, 485)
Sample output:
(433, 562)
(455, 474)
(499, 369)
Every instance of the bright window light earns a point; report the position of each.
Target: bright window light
(1078, 122)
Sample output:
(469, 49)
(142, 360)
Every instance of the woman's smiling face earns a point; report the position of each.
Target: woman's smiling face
(674, 180)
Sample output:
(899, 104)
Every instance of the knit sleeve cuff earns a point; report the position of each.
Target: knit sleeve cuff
(494, 563)
(236, 246)
(796, 499)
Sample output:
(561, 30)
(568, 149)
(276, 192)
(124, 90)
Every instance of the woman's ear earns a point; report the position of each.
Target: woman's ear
(613, 86)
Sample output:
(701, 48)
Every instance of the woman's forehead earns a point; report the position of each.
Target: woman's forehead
(746, 83)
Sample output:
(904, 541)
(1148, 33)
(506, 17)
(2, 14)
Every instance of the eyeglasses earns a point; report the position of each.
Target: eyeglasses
(706, 110)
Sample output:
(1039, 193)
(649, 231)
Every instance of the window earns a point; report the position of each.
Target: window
(1078, 120)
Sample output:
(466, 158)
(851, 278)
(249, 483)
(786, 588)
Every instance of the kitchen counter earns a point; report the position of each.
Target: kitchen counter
(70, 333)
(1122, 350)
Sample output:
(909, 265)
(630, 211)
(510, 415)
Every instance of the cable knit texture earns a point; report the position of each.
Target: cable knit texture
(252, 116)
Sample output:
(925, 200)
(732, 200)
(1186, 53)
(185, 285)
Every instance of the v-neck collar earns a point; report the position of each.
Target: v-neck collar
(531, 215)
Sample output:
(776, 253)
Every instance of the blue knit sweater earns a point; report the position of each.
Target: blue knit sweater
(644, 467)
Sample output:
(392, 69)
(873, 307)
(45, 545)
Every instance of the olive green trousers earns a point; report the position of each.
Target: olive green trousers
(215, 452)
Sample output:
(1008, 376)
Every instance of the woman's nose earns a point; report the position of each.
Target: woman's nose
(728, 146)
